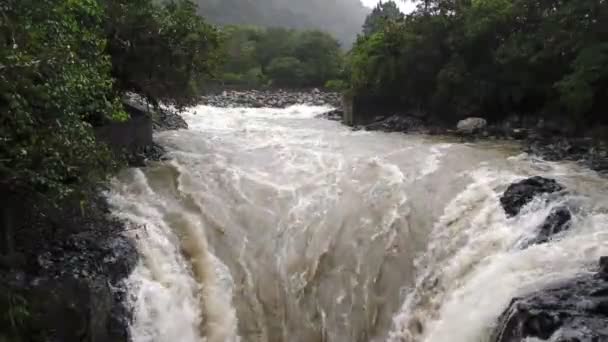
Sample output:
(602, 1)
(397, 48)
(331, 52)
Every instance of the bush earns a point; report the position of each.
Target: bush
(161, 50)
(57, 65)
(286, 71)
(336, 85)
(54, 85)
(318, 56)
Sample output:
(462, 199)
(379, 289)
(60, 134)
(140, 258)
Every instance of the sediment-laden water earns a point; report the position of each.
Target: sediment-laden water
(271, 225)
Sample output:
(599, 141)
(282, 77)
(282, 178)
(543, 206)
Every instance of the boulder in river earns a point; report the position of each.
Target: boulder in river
(572, 310)
(471, 125)
(558, 221)
(334, 115)
(396, 123)
(521, 193)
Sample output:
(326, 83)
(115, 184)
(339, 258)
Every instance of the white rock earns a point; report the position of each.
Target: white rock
(471, 125)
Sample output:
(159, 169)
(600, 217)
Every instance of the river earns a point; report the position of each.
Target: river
(272, 225)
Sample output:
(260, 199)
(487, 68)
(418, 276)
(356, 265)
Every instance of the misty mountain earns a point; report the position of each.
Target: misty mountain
(342, 18)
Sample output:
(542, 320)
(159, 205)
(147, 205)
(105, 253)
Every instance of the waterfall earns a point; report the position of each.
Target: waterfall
(272, 225)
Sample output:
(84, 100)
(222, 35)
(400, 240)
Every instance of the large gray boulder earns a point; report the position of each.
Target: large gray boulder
(471, 125)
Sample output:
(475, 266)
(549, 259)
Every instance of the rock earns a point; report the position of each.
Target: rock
(558, 221)
(273, 98)
(396, 123)
(76, 258)
(521, 193)
(571, 310)
(334, 115)
(471, 125)
(167, 120)
(604, 266)
(519, 133)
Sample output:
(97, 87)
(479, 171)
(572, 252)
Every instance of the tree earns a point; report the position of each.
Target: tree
(264, 52)
(383, 12)
(54, 85)
(321, 56)
(286, 71)
(493, 58)
(163, 51)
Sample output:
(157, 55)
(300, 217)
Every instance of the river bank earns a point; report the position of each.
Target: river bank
(63, 275)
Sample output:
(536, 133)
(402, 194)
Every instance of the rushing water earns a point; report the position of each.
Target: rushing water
(271, 225)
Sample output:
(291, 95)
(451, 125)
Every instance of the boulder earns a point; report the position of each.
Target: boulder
(396, 123)
(521, 193)
(334, 115)
(559, 220)
(69, 277)
(471, 125)
(568, 311)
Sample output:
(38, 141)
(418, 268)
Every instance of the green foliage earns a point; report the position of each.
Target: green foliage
(14, 315)
(493, 58)
(336, 85)
(380, 16)
(163, 51)
(58, 59)
(281, 57)
(54, 85)
(284, 71)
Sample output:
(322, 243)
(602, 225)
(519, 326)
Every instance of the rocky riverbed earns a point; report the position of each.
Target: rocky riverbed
(271, 98)
(535, 140)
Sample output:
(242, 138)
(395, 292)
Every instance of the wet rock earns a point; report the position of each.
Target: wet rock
(76, 258)
(521, 193)
(559, 220)
(271, 98)
(167, 120)
(396, 123)
(572, 310)
(587, 151)
(471, 125)
(604, 266)
(334, 115)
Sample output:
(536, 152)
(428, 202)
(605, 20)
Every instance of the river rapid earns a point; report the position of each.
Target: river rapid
(272, 225)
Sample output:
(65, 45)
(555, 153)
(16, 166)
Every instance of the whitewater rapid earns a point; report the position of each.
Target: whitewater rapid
(273, 225)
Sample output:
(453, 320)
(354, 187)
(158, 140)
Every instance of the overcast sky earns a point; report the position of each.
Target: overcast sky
(406, 6)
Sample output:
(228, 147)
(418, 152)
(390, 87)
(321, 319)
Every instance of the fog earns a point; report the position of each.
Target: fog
(342, 18)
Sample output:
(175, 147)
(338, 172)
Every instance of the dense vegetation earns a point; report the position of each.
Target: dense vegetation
(64, 65)
(493, 58)
(280, 57)
(341, 18)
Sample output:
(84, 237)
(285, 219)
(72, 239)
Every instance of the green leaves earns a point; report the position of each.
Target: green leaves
(54, 85)
(283, 57)
(162, 51)
(490, 57)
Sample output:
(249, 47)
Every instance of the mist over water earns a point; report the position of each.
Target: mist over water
(271, 225)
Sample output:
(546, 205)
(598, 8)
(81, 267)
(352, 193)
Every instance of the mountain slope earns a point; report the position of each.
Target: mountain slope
(342, 18)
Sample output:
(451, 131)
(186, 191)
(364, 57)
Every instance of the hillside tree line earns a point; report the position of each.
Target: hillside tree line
(490, 58)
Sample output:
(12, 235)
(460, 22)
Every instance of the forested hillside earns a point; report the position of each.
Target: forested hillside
(490, 58)
(341, 18)
(257, 57)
